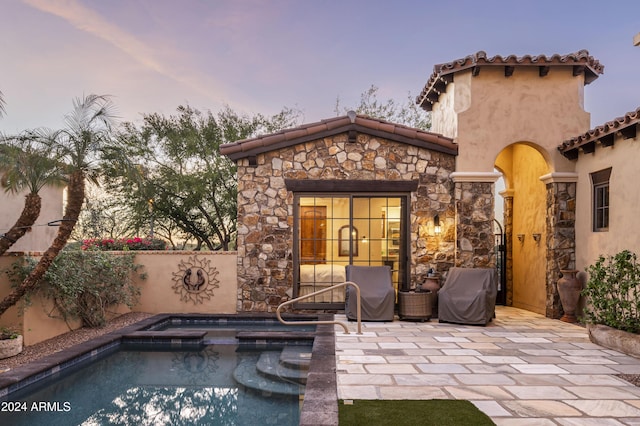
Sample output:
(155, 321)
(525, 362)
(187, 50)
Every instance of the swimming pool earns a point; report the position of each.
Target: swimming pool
(248, 379)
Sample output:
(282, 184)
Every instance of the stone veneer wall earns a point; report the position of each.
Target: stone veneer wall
(561, 237)
(475, 235)
(508, 236)
(265, 207)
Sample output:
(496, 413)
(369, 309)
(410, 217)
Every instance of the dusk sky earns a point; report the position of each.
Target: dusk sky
(260, 56)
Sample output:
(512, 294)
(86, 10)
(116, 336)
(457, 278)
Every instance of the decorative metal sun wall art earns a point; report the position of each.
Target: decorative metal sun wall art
(195, 280)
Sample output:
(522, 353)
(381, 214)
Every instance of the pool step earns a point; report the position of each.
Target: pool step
(248, 375)
(173, 338)
(275, 336)
(298, 357)
(270, 365)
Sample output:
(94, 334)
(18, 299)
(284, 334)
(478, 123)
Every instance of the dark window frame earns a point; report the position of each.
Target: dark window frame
(600, 202)
(404, 270)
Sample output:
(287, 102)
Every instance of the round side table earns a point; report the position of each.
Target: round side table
(414, 305)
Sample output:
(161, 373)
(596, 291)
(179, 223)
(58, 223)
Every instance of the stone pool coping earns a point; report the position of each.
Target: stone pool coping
(320, 406)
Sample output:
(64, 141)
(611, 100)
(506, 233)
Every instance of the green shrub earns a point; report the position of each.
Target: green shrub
(7, 333)
(612, 292)
(86, 284)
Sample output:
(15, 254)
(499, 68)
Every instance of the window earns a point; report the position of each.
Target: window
(335, 230)
(600, 184)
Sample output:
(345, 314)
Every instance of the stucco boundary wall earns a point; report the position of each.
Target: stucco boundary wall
(180, 282)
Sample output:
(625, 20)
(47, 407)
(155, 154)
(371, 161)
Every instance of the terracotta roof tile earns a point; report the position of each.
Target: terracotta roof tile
(250, 145)
(295, 134)
(406, 131)
(626, 125)
(443, 73)
(360, 123)
(386, 127)
(316, 128)
(341, 121)
(271, 139)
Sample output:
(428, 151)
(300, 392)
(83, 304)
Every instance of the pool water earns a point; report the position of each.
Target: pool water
(141, 386)
(132, 387)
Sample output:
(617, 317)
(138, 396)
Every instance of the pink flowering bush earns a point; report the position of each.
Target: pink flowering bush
(120, 244)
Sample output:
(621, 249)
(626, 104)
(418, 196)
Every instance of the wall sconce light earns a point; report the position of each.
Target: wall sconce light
(436, 225)
(364, 239)
(536, 238)
(521, 238)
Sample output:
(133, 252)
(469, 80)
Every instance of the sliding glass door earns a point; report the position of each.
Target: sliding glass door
(332, 231)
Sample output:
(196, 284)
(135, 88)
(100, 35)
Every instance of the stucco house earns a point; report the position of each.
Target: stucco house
(606, 168)
(357, 190)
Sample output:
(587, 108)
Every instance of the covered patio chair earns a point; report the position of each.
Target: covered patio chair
(377, 295)
(468, 296)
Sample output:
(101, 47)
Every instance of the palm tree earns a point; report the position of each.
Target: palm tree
(87, 133)
(26, 165)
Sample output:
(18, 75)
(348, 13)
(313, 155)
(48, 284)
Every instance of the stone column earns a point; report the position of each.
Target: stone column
(561, 233)
(474, 205)
(507, 196)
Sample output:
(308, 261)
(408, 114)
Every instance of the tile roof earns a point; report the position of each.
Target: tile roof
(332, 126)
(626, 126)
(442, 75)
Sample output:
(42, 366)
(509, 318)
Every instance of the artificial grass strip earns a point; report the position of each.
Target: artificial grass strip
(440, 412)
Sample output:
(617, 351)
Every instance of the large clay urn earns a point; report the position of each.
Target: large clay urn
(432, 282)
(569, 288)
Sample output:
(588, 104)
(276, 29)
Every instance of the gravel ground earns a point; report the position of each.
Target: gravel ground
(47, 347)
(631, 378)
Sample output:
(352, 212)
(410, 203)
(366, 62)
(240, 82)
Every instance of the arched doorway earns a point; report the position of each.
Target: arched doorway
(525, 210)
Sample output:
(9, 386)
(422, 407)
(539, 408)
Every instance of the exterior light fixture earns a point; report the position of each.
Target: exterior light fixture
(364, 239)
(436, 225)
(521, 238)
(536, 238)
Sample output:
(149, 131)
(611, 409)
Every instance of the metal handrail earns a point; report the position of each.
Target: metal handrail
(324, 290)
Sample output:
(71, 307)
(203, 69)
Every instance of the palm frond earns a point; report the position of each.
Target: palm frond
(27, 163)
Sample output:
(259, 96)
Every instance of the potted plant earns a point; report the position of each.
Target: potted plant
(10, 343)
(612, 312)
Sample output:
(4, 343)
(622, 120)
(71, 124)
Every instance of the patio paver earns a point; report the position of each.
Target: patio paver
(521, 369)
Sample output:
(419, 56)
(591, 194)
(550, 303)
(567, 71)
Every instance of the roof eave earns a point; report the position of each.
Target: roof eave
(604, 135)
(581, 62)
(331, 127)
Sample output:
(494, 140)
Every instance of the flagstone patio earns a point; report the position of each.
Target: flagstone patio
(521, 369)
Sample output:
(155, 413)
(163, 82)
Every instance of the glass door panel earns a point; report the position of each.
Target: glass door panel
(335, 231)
